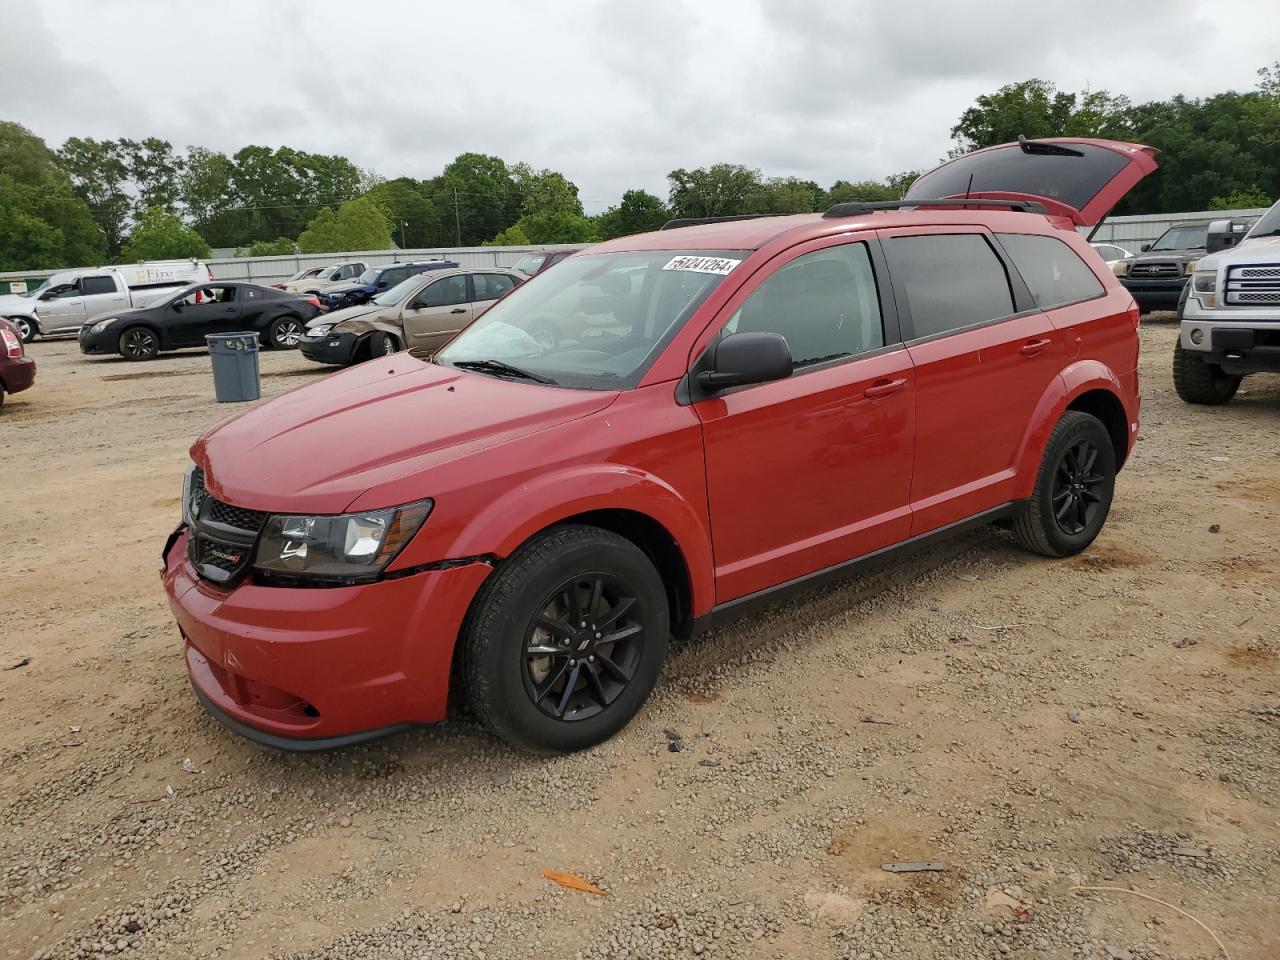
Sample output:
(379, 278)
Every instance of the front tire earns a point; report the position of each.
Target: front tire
(1073, 490)
(26, 328)
(565, 640)
(382, 345)
(1198, 381)
(284, 333)
(139, 343)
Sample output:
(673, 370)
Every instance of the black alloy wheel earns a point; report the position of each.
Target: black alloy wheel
(1077, 488)
(139, 343)
(582, 647)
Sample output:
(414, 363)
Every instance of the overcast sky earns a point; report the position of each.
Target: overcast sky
(615, 93)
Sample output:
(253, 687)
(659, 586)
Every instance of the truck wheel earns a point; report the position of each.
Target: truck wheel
(284, 333)
(566, 640)
(26, 328)
(1198, 381)
(1073, 490)
(139, 343)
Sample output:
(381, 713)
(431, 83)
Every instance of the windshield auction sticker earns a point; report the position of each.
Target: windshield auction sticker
(717, 265)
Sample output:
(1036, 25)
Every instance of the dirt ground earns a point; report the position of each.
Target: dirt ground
(1033, 726)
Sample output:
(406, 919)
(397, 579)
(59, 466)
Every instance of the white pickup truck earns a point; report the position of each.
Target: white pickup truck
(67, 299)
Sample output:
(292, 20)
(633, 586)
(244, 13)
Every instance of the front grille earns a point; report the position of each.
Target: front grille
(222, 537)
(1252, 285)
(1156, 270)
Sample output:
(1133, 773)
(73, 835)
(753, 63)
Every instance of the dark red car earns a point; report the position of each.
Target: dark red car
(733, 408)
(17, 371)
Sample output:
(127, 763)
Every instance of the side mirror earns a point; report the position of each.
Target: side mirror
(177, 305)
(382, 284)
(1144, 248)
(1222, 234)
(743, 358)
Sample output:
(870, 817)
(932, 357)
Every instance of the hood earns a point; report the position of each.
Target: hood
(346, 287)
(1257, 250)
(12, 303)
(1184, 254)
(382, 424)
(346, 313)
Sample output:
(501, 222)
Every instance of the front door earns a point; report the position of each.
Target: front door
(437, 312)
(207, 309)
(984, 356)
(808, 472)
(60, 308)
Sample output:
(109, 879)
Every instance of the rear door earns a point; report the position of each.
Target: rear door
(103, 293)
(983, 355)
(437, 312)
(486, 289)
(1078, 178)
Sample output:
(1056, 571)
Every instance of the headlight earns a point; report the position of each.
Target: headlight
(320, 331)
(349, 548)
(103, 324)
(1189, 267)
(1205, 282)
(1120, 268)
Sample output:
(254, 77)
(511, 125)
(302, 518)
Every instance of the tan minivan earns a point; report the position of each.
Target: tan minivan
(423, 312)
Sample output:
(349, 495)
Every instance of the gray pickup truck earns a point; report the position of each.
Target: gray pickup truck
(66, 300)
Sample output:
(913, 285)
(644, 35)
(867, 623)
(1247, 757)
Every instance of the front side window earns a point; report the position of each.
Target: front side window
(491, 286)
(952, 281)
(596, 321)
(823, 303)
(62, 291)
(1053, 272)
(1183, 238)
(445, 293)
(1269, 225)
(201, 295)
(93, 286)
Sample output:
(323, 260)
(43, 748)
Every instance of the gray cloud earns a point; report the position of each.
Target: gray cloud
(614, 94)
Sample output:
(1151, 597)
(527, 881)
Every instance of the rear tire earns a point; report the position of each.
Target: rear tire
(1073, 490)
(139, 343)
(284, 333)
(565, 640)
(1198, 381)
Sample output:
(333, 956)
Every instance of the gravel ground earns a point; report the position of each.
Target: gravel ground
(1107, 721)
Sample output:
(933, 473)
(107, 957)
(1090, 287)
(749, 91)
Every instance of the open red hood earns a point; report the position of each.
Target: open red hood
(318, 448)
(1073, 177)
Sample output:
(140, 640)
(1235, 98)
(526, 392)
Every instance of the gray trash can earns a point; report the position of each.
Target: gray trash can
(235, 366)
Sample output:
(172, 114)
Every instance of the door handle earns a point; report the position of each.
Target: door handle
(884, 388)
(1033, 347)
(458, 310)
(228, 309)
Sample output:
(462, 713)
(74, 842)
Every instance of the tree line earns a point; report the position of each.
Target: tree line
(94, 201)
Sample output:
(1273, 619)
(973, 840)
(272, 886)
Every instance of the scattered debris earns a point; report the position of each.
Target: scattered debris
(1220, 459)
(1074, 716)
(870, 718)
(1215, 528)
(1185, 642)
(169, 791)
(189, 767)
(1147, 896)
(382, 835)
(708, 763)
(675, 746)
(74, 727)
(571, 881)
(672, 735)
(1196, 852)
(20, 662)
(837, 908)
(997, 900)
(1268, 712)
(914, 866)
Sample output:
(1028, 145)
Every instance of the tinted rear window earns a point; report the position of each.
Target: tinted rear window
(1072, 180)
(952, 281)
(1052, 270)
(91, 286)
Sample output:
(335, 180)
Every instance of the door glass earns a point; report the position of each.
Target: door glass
(62, 292)
(446, 292)
(490, 286)
(823, 303)
(952, 281)
(202, 295)
(1053, 272)
(93, 286)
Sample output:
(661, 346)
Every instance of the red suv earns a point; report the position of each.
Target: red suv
(741, 406)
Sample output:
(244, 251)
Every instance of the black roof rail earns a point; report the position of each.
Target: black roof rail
(699, 221)
(856, 207)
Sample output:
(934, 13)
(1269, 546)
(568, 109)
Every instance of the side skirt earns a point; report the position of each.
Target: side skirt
(867, 563)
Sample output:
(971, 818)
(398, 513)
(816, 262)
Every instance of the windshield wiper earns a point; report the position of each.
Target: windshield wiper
(501, 368)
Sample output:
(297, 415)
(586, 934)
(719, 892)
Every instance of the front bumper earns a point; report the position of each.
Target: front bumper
(315, 668)
(1162, 294)
(331, 348)
(1240, 339)
(17, 373)
(97, 344)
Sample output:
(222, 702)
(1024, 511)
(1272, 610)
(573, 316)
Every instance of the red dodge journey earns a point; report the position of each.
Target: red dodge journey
(658, 432)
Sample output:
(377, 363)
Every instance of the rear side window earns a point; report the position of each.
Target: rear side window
(1054, 273)
(490, 286)
(95, 285)
(824, 304)
(952, 281)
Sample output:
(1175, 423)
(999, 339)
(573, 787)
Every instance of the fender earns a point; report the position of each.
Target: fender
(499, 528)
(1075, 380)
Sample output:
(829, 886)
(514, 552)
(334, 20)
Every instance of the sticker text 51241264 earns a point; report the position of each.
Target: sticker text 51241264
(719, 265)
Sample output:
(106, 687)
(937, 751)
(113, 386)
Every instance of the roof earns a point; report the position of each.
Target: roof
(754, 234)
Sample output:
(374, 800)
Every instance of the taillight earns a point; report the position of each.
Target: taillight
(314, 301)
(12, 343)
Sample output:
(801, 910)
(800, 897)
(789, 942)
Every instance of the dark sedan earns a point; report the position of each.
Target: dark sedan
(182, 319)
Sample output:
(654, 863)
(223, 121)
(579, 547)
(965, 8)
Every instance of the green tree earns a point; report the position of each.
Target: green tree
(842, 191)
(160, 235)
(1036, 108)
(721, 190)
(43, 222)
(513, 236)
(639, 212)
(359, 224)
(207, 194)
(477, 196)
(1241, 200)
(415, 220)
(900, 183)
(155, 172)
(99, 171)
(787, 195)
(279, 247)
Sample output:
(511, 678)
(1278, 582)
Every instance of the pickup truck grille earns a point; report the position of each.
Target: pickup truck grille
(221, 542)
(1254, 285)
(1157, 270)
